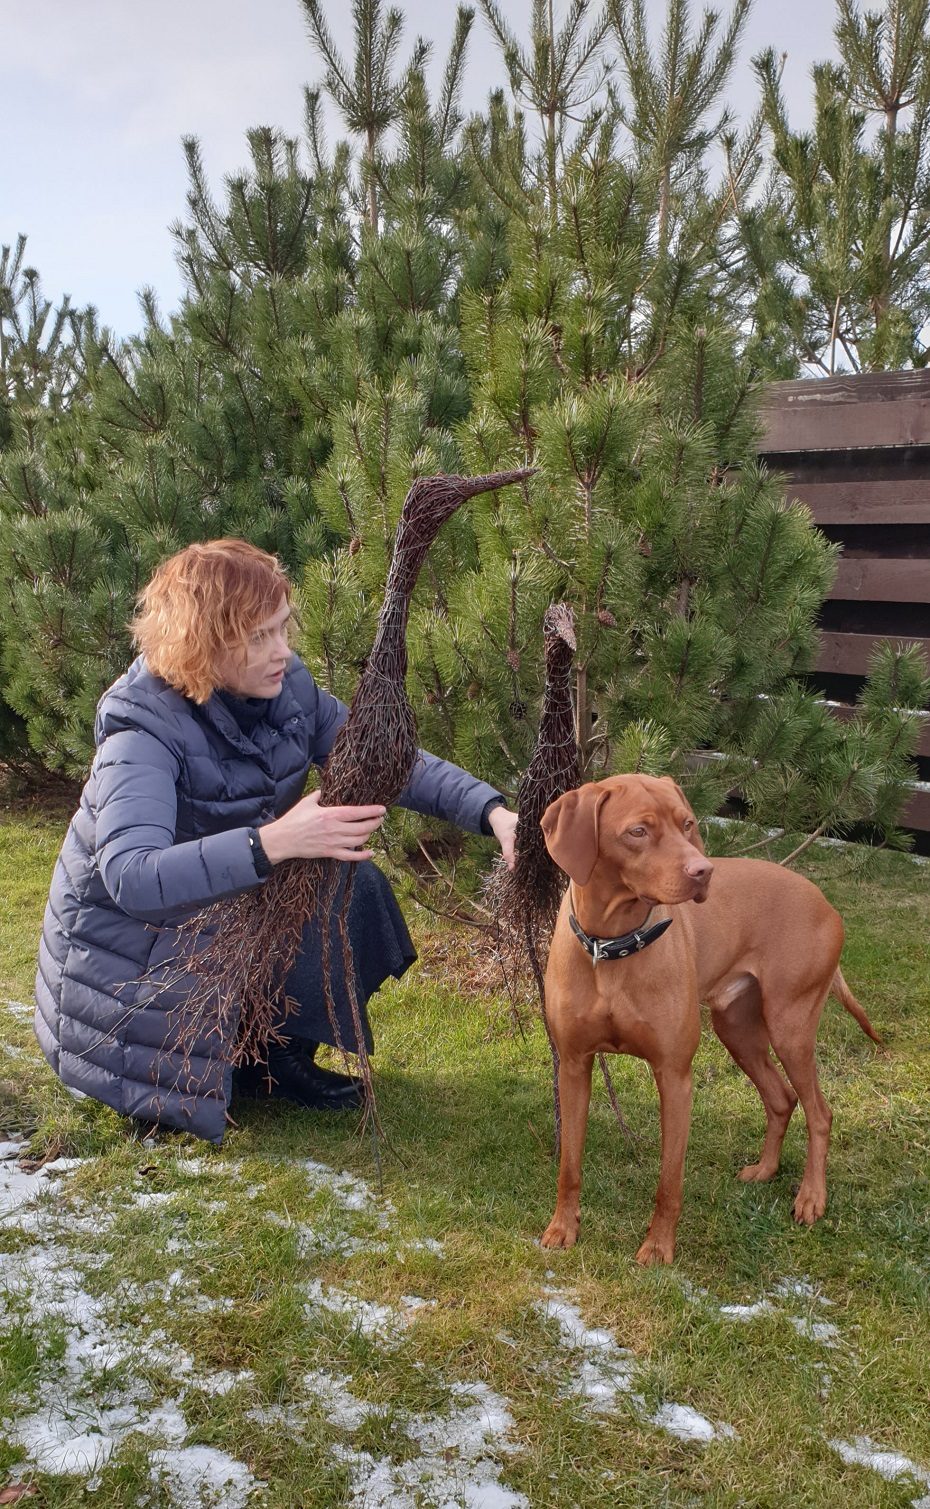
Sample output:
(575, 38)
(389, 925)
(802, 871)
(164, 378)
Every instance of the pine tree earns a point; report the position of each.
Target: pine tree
(838, 255)
(569, 289)
(42, 385)
(671, 95)
(368, 93)
(558, 74)
(200, 426)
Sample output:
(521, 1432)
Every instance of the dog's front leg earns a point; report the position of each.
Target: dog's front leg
(674, 1084)
(574, 1098)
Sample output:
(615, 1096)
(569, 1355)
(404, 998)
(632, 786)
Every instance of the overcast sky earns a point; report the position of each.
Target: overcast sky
(98, 93)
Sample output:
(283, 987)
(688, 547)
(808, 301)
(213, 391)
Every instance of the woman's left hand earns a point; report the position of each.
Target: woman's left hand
(504, 827)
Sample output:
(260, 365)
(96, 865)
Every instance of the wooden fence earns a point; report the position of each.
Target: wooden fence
(856, 450)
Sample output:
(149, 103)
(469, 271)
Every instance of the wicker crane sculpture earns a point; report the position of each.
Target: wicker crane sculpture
(524, 902)
(255, 937)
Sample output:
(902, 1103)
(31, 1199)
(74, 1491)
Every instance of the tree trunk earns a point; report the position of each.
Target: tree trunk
(372, 186)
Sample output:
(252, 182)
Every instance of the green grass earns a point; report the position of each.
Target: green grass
(466, 1106)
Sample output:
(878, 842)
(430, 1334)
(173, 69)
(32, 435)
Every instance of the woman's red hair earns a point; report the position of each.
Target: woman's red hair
(202, 602)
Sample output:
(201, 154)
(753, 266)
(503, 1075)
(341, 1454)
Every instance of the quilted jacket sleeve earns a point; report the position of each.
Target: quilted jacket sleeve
(437, 788)
(145, 872)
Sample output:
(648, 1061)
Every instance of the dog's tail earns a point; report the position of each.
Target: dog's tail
(844, 995)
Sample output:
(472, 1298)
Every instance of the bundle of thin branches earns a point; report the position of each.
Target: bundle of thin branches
(524, 902)
(240, 951)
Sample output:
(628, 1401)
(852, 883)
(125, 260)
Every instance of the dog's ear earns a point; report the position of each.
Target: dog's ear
(569, 827)
(694, 837)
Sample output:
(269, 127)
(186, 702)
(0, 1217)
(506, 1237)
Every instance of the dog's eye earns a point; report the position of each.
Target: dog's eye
(689, 823)
(636, 832)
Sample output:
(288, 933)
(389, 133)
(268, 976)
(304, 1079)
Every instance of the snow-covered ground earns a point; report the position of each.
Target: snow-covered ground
(95, 1389)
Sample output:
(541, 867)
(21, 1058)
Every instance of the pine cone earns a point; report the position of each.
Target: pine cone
(605, 617)
(473, 692)
(355, 545)
(513, 659)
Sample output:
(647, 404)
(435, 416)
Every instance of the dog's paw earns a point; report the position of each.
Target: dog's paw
(757, 1173)
(656, 1251)
(809, 1205)
(561, 1232)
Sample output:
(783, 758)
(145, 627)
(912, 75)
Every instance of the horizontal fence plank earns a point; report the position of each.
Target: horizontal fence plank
(916, 811)
(891, 502)
(849, 654)
(845, 427)
(841, 413)
(849, 387)
(881, 580)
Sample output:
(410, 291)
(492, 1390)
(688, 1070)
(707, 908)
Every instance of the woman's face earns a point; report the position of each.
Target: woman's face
(257, 670)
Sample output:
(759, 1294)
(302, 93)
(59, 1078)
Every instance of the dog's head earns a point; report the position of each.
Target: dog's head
(640, 828)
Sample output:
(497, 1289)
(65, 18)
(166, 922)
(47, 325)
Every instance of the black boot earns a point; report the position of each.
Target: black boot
(290, 1075)
(327, 1076)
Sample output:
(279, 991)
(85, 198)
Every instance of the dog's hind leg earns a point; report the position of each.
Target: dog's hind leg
(738, 1024)
(793, 1031)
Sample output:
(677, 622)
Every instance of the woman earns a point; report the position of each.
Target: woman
(195, 793)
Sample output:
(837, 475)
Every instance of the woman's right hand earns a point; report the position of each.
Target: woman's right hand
(309, 831)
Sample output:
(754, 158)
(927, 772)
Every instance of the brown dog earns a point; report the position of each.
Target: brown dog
(762, 950)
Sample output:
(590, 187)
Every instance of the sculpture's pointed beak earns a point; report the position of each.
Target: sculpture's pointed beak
(470, 487)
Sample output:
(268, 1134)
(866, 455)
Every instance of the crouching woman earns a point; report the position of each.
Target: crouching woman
(195, 794)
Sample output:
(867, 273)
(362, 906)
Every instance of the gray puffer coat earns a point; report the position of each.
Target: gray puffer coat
(161, 831)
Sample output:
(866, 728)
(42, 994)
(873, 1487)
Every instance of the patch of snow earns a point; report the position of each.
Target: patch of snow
(93, 1395)
(200, 1477)
(794, 1288)
(11, 1149)
(201, 1166)
(414, 1302)
(313, 1243)
(366, 1317)
(863, 1452)
(339, 1404)
(786, 1290)
(222, 1382)
(19, 1008)
(455, 1466)
(18, 1189)
(607, 1369)
(60, 1166)
(143, 1198)
(684, 1422)
(748, 1312)
(203, 1304)
(349, 1192)
(815, 1330)
(424, 1244)
(12, 1050)
(291, 1416)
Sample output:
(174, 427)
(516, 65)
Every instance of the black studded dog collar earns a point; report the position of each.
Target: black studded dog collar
(619, 948)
